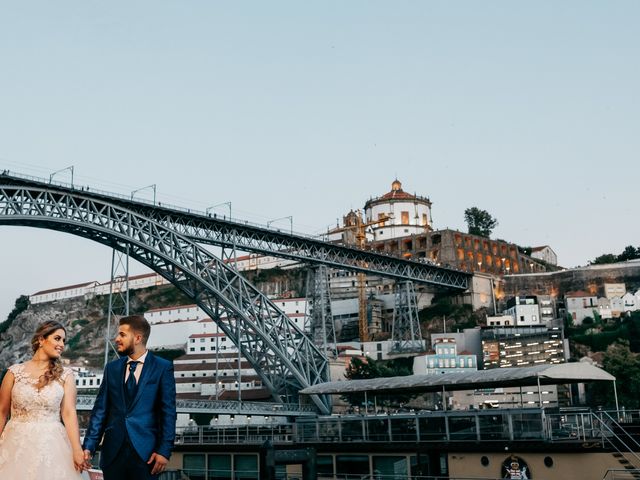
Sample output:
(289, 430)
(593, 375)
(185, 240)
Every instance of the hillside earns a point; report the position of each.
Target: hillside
(85, 318)
(85, 321)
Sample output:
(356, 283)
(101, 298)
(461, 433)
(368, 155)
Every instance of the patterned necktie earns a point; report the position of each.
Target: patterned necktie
(130, 384)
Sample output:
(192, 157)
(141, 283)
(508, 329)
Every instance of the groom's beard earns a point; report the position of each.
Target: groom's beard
(126, 351)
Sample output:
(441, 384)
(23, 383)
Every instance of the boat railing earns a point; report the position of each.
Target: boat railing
(203, 474)
(419, 427)
(622, 474)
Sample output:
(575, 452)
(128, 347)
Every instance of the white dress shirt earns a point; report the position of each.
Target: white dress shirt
(138, 371)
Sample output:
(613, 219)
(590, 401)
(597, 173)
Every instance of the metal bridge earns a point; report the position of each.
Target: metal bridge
(168, 240)
(274, 409)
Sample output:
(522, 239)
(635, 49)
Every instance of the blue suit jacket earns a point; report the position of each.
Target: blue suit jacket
(150, 420)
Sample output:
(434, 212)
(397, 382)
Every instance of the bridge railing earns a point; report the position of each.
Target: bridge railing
(177, 208)
(85, 402)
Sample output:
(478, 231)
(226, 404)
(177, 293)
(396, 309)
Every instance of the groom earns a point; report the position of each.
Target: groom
(135, 408)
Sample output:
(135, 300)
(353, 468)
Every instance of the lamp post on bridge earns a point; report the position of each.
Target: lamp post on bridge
(290, 218)
(62, 170)
(153, 186)
(219, 205)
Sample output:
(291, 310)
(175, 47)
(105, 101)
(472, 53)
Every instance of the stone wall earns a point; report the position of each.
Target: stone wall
(590, 279)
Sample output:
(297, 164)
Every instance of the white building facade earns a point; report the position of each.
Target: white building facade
(545, 253)
(524, 311)
(446, 359)
(405, 214)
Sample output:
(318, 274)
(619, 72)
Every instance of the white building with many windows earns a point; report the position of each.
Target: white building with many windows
(444, 359)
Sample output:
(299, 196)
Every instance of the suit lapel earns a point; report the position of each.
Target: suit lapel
(147, 367)
(120, 366)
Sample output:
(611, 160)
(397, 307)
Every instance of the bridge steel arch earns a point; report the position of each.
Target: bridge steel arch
(285, 359)
(213, 230)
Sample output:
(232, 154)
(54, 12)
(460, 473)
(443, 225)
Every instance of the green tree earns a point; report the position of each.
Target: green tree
(362, 368)
(605, 258)
(359, 369)
(629, 253)
(22, 303)
(597, 318)
(480, 222)
(568, 320)
(623, 364)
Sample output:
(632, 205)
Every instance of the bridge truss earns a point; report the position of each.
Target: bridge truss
(284, 358)
(168, 240)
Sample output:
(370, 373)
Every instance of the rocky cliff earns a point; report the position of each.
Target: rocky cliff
(85, 320)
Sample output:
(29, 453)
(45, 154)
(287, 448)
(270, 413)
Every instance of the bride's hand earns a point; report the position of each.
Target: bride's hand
(78, 459)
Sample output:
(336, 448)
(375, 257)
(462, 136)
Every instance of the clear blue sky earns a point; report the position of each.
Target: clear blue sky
(526, 109)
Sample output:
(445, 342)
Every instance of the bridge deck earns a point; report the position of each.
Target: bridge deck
(215, 230)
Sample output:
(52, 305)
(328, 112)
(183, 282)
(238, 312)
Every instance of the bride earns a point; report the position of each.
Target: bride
(38, 393)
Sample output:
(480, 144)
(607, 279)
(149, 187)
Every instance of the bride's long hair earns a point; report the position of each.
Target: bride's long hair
(54, 370)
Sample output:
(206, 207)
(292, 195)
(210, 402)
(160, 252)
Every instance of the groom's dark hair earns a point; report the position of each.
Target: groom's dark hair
(138, 324)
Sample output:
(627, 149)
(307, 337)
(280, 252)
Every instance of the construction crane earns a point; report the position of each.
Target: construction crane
(354, 223)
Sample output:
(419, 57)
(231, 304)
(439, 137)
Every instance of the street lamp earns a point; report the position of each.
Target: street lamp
(152, 186)
(228, 204)
(282, 218)
(62, 170)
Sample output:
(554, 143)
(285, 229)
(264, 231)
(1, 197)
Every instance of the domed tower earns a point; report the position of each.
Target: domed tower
(405, 214)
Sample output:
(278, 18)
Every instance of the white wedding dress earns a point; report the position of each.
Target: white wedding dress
(34, 444)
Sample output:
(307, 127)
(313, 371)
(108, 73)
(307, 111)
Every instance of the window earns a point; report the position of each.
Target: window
(220, 467)
(352, 465)
(404, 217)
(391, 466)
(325, 465)
(194, 465)
(245, 466)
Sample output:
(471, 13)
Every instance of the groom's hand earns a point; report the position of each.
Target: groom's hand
(87, 459)
(159, 465)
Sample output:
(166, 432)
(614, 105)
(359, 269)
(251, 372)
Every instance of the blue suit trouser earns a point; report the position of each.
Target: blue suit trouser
(128, 465)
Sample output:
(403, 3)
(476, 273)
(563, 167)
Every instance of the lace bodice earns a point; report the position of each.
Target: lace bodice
(30, 404)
